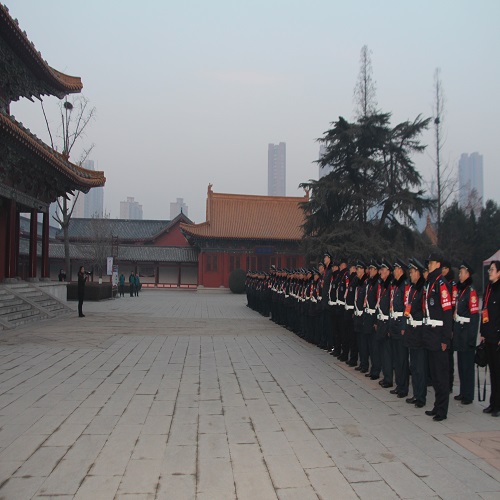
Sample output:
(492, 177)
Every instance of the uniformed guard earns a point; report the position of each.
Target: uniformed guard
(382, 354)
(337, 295)
(325, 299)
(414, 314)
(370, 315)
(359, 299)
(449, 274)
(349, 342)
(397, 326)
(465, 330)
(437, 328)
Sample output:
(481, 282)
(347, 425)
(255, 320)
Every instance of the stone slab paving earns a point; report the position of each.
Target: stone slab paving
(189, 395)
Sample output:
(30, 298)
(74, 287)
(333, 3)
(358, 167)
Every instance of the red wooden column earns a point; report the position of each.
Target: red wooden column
(33, 243)
(10, 247)
(45, 247)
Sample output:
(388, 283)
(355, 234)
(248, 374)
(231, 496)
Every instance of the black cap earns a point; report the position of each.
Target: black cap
(374, 264)
(466, 266)
(387, 265)
(327, 254)
(416, 264)
(361, 264)
(446, 263)
(436, 257)
(321, 264)
(399, 263)
(342, 260)
(316, 271)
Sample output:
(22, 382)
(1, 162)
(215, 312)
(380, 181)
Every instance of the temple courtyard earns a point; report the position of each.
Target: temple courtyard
(191, 395)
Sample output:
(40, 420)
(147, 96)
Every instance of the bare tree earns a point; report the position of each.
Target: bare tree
(365, 91)
(75, 116)
(445, 175)
(101, 243)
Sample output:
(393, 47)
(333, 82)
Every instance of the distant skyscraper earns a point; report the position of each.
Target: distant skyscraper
(327, 168)
(177, 207)
(91, 204)
(130, 209)
(276, 169)
(470, 182)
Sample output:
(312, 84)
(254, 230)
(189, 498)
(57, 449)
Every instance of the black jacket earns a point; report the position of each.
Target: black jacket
(491, 330)
(466, 317)
(437, 308)
(413, 332)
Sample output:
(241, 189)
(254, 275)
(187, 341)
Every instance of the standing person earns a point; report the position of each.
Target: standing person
(137, 286)
(350, 341)
(465, 328)
(325, 299)
(382, 334)
(121, 285)
(438, 318)
(397, 325)
(412, 338)
(82, 278)
(490, 335)
(359, 299)
(131, 283)
(449, 274)
(369, 319)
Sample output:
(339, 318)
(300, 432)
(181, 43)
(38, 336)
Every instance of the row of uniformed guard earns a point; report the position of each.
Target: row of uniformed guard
(385, 318)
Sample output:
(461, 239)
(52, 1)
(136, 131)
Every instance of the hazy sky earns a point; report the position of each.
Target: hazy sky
(190, 92)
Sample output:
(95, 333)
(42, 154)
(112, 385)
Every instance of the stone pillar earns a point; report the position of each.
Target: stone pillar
(45, 274)
(33, 244)
(11, 249)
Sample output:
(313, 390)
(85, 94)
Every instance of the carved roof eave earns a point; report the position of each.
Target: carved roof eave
(82, 178)
(61, 83)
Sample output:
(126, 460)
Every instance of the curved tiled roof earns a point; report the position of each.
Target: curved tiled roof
(124, 229)
(128, 253)
(237, 216)
(20, 42)
(84, 179)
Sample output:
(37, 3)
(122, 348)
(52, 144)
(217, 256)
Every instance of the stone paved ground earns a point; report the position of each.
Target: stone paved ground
(179, 394)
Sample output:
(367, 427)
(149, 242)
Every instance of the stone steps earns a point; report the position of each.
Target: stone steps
(23, 302)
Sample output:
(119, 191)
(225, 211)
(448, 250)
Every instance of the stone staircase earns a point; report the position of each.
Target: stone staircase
(24, 302)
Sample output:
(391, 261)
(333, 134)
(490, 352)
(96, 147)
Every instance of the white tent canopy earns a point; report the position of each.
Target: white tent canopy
(495, 256)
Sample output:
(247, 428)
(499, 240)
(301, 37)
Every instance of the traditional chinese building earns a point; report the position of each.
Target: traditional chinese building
(155, 249)
(246, 232)
(32, 175)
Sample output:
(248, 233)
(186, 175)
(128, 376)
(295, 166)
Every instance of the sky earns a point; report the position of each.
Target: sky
(191, 92)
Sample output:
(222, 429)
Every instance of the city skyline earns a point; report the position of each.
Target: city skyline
(276, 169)
(193, 97)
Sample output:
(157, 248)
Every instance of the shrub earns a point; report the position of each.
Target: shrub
(237, 281)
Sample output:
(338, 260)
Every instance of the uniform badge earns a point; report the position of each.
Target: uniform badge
(473, 299)
(431, 302)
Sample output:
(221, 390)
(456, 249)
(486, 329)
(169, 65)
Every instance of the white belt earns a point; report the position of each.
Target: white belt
(331, 303)
(313, 300)
(461, 319)
(358, 313)
(382, 317)
(413, 322)
(340, 303)
(319, 298)
(286, 296)
(370, 311)
(433, 322)
(396, 315)
(348, 308)
(307, 298)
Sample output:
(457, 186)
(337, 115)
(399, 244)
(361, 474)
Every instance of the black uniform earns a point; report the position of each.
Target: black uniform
(438, 317)
(397, 326)
(465, 330)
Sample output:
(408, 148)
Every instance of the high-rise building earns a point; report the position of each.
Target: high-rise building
(178, 207)
(470, 182)
(90, 204)
(276, 169)
(327, 168)
(130, 209)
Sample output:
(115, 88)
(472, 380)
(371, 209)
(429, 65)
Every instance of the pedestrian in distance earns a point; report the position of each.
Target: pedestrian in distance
(82, 279)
